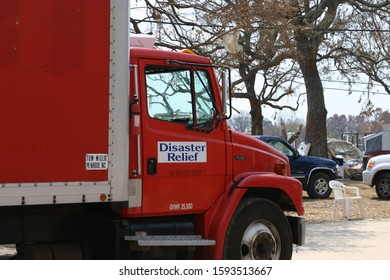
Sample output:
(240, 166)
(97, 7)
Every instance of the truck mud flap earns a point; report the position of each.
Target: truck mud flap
(298, 228)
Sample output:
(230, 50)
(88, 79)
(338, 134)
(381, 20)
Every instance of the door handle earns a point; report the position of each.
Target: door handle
(152, 166)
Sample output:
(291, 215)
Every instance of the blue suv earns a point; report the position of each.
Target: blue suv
(313, 172)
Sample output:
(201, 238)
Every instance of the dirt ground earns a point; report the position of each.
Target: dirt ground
(346, 240)
(336, 238)
(321, 210)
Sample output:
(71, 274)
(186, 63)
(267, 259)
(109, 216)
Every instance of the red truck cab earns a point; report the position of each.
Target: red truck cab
(186, 161)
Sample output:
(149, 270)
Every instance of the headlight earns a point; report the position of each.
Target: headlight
(370, 164)
(280, 168)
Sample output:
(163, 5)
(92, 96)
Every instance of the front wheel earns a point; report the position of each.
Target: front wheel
(259, 230)
(382, 186)
(318, 186)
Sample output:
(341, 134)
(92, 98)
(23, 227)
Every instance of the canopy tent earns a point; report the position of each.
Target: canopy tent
(378, 143)
(345, 149)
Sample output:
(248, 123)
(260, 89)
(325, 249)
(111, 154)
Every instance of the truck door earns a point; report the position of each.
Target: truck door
(183, 147)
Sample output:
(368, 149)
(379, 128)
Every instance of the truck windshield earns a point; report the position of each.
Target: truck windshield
(179, 95)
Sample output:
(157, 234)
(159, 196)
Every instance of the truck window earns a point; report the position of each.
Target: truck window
(204, 104)
(179, 95)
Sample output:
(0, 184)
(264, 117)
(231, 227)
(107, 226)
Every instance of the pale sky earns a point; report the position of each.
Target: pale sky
(336, 102)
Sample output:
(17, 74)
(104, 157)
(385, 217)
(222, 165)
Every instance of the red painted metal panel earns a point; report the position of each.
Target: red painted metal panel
(54, 69)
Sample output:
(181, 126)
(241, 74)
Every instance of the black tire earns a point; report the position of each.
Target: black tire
(318, 186)
(53, 251)
(382, 186)
(258, 230)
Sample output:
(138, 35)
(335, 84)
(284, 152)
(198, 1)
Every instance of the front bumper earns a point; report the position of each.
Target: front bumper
(367, 177)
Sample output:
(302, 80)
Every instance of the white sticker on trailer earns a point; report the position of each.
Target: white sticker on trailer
(96, 161)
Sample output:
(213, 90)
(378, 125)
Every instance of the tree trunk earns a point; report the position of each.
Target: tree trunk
(257, 117)
(316, 112)
(256, 111)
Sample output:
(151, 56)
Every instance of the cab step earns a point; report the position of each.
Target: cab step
(171, 240)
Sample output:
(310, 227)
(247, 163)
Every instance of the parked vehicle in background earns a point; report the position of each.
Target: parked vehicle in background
(377, 174)
(313, 172)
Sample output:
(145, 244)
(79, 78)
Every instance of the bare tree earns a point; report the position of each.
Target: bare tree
(320, 33)
(241, 122)
(273, 33)
(276, 85)
(339, 124)
(197, 25)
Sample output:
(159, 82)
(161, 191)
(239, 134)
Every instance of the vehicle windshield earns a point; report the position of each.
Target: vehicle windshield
(283, 147)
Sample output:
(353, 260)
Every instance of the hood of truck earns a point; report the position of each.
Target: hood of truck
(252, 155)
(381, 158)
(312, 161)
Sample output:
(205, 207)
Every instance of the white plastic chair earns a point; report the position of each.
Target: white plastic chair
(341, 195)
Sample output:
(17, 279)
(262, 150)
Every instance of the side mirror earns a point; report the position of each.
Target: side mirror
(339, 160)
(226, 92)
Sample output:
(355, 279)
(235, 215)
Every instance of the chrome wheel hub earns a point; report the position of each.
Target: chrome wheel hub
(260, 242)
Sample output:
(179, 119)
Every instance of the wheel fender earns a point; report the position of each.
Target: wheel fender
(218, 217)
(216, 221)
(328, 171)
(377, 172)
(291, 186)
